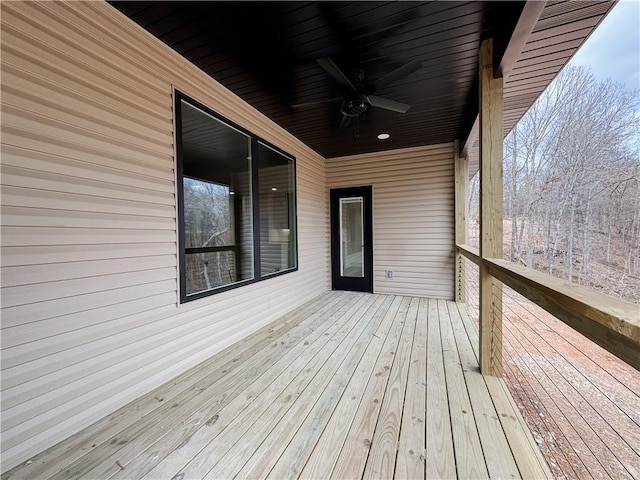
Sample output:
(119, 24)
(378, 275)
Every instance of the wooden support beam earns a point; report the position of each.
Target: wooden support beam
(491, 136)
(529, 17)
(461, 179)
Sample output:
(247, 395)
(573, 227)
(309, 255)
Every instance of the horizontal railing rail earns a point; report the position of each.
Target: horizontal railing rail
(612, 323)
(470, 252)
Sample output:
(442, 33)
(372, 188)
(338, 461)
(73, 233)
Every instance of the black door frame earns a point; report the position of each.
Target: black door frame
(339, 282)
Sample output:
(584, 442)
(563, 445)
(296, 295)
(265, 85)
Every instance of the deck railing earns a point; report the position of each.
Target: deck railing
(612, 323)
(579, 401)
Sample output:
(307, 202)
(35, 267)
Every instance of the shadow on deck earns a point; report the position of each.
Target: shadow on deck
(349, 385)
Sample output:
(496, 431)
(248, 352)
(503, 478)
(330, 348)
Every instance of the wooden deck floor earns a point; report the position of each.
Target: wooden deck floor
(349, 385)
(581, 402)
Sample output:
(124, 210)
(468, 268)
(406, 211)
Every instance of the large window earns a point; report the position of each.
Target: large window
(236, 204)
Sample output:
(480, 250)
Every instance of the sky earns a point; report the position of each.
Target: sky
(613, 49)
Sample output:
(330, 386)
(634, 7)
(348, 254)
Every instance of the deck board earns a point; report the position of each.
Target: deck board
(317, 335)
(527, 455)
(440, 462)
(210, 407)
(249, 430)
(326, 451)
(323, 402)
(492, 437)
(470, 461)
(353, 457)
(349, 385)
(329, 367)
(384, 445)
(410, 462)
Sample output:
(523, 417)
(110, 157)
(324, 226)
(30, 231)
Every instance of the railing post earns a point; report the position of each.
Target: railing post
(491, 137)
(461, 182)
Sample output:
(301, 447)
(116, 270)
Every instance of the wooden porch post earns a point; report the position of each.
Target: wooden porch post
(491, 138)
(461, 175)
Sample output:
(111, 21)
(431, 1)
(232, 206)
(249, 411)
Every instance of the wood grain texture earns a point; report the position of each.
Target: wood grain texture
(469, 457)
(440, 456)
(411, 457)
(323, 402)
(612, 323)
(384, 445)
(347, 385)
(325, 454)
(461, 185)
(327, 363)
(527, 455)
(492, 437)
(181, 453)
(491, 206)
(355, 450)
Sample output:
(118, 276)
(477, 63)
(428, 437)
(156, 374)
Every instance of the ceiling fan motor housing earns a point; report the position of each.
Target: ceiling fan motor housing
(355, 105)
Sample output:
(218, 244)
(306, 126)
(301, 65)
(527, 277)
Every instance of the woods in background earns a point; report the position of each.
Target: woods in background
(572, 185)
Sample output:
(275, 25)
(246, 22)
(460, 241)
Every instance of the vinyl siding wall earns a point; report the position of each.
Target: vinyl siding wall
(413, 216)
(90, 314)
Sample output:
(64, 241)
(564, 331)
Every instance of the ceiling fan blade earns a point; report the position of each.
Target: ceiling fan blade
(315, 104)
(387, 104)
(333, 70)
(397, 74)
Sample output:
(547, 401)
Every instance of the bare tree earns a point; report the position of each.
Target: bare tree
(571, 182)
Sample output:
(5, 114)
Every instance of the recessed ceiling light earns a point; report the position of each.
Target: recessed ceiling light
(232, 193)
(274, 189)
(383, 136)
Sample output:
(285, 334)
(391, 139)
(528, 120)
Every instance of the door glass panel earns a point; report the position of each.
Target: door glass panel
(351, 237)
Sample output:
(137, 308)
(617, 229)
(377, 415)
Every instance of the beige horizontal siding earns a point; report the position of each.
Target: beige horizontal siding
(36, 161)
(413, 227)
(53, 200)
(90, 316)
(22, 255)
(33, 179)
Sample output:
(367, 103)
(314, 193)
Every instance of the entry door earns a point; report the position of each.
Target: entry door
(351, 239)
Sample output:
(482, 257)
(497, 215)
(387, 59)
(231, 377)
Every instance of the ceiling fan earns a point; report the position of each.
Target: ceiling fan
(358, 98)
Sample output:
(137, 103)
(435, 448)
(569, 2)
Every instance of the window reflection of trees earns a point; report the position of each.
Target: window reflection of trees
(208, 223)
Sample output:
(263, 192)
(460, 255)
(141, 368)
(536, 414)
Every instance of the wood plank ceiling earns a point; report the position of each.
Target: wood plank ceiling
(266, 52)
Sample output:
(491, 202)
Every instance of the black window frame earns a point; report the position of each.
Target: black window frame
(255, 201)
